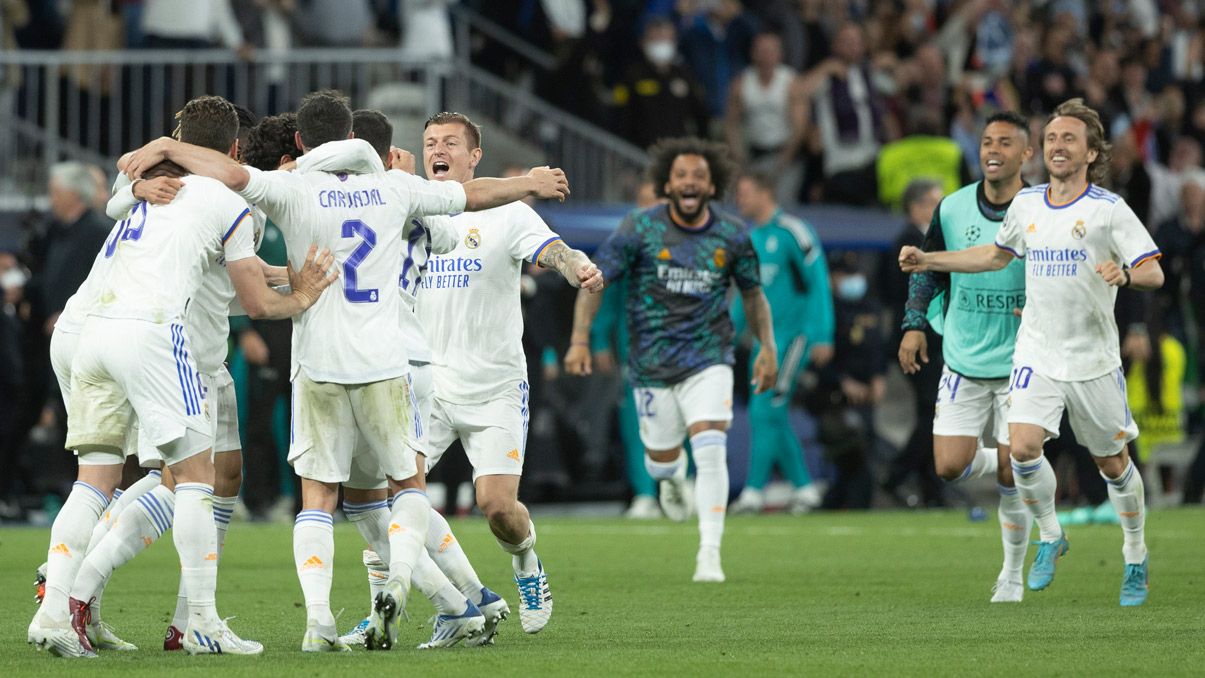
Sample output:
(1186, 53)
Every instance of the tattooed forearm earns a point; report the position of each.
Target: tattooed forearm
(564, 259)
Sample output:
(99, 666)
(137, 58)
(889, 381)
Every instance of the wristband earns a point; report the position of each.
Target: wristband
(579, 343)
(133, 184)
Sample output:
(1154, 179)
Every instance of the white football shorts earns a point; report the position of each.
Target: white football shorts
(493, 433)
(666, 413)
(328, 418)
(1097, 408)
(365, 474)
(134, 367)
(966, 407)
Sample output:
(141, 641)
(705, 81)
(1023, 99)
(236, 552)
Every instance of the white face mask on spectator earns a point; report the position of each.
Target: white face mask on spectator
(660, 52)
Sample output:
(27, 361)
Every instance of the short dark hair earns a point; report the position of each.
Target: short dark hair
(271, 139)
(472, 130)
(373, 127)
(208, 121)
(664, 153)
(1010, 117)
(1098, 170)
(323, 116)
(759, 179)
(917, 189)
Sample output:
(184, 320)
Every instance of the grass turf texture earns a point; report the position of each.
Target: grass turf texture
(886, 593)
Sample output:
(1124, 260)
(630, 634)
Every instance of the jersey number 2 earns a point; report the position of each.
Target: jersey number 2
(351, 229)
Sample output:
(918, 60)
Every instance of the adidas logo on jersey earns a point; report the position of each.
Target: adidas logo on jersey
(513, 455)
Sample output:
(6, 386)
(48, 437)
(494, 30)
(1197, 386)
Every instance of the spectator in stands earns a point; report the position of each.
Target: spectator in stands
(1051, 80)
(850, 120)
(767, 118)
(659, 98)
(716, 45)
(187, 24)
(920, 199)
(426, 30)
(1168, 180)
(347, 23)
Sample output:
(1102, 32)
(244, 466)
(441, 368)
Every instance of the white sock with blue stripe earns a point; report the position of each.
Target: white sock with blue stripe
(985, 461)
(1128, 495)
(1016, 522)
(69, 538)
(136, 529)
(1036, 485)
(372, 520)
(120, 501)
(666, 470)
(196, 540)
(314, 556)
(445, 550)
(710, 449)
(408, 522)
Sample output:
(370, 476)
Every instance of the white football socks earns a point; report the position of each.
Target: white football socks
(407, 533)
(372, 520)
(665, 470)
(196, 541)
(1036, 485)
(523, 555)
(69, 537)
(142, 525)
(1016, 521)
(710, 449)
(1128, 496)
(445, 550)
(984, 462)
(434, 584)
(314, 556)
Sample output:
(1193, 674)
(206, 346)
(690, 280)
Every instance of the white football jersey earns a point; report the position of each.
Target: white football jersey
(159, 252)
(75, 312)
(427, 236)
(1067, 328)
(353, 334)
(468, 302)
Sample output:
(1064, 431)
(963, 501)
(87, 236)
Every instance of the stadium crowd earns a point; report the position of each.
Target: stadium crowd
(852, 102)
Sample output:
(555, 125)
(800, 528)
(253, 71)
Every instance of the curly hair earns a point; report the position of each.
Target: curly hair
(665, 151)
(272, 138)
(1098, 170)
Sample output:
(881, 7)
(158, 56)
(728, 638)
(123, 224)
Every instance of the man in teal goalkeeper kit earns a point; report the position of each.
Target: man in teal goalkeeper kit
(795, 279)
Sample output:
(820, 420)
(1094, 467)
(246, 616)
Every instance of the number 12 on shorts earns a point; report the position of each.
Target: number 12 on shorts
(351, 229)
(644, 403)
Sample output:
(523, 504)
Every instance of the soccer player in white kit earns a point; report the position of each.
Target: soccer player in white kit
(1079, 242)
(207, 321)
(468, 305)
(138, 361)
(350, 375)
(468, 610)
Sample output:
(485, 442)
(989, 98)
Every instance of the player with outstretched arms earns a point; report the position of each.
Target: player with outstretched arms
(468, 305)
(350, 376)
(1080, 242)
(681, 258)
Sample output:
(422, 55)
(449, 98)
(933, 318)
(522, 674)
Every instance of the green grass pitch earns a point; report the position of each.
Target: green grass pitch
(825, 594)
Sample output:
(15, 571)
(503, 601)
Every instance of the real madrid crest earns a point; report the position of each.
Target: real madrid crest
(1078, 231)
(473, 239)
